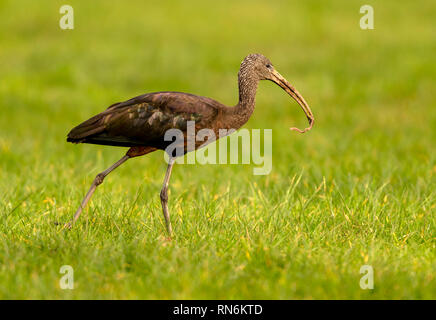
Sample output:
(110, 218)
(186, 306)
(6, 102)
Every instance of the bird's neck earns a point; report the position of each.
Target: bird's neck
(247, 99)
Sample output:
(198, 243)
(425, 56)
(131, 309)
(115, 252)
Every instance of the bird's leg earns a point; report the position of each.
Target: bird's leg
(97, 181)
(164, 196)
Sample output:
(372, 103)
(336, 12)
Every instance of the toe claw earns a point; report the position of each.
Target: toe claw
(68, 225)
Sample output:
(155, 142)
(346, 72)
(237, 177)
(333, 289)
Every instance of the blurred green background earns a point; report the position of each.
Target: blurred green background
(359, 189)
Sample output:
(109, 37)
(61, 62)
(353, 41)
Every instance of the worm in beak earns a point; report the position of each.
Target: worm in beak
(285, 85)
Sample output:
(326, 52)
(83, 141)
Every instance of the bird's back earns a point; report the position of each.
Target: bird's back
(143, 120)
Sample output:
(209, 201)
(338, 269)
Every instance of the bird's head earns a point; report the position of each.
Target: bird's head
(262, 68)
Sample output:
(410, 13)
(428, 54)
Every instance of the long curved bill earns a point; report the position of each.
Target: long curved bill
(285, 85)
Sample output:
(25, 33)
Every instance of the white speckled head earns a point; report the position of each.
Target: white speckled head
(257, 67)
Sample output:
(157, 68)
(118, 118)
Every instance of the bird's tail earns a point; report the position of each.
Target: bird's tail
(87, 129)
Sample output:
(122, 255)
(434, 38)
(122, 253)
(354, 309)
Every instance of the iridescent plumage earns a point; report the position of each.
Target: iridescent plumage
(141, 122)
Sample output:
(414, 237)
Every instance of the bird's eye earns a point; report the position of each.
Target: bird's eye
(269, 66)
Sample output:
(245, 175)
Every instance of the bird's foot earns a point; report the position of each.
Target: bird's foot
(68, 225)
(165, 240)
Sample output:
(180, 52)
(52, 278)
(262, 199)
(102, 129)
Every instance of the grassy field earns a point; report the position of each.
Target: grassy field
(359, 189)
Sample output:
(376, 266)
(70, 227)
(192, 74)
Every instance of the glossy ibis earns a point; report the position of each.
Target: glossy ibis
(141, 122)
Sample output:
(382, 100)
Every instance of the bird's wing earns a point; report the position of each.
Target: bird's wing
(143, 120)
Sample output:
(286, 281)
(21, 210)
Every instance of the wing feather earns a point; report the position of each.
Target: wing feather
(143, 120)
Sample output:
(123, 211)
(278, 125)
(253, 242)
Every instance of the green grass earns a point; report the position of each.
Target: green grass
(358, 189)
